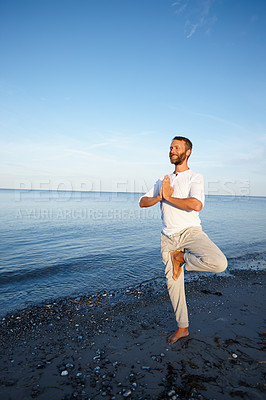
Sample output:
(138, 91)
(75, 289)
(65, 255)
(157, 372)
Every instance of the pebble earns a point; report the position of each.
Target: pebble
(64, 373)
(127, 393)
(171, 393)
(234, 355)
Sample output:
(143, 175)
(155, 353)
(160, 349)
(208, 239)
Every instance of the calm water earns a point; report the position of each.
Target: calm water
(55, 244)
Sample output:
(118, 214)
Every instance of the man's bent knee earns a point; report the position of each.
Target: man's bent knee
(221, 264)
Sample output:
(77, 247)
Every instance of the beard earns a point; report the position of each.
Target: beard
(178, 159)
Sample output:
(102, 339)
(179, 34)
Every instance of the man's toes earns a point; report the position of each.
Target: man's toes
(170, 339)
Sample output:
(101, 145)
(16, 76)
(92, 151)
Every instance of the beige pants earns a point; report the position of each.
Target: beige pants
(201, 254)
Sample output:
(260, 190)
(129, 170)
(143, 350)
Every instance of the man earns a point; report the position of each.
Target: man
(181, 196)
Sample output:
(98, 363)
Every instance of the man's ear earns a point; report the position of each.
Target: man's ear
(188, 152)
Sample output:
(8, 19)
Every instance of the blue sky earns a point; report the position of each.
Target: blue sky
(91, 92)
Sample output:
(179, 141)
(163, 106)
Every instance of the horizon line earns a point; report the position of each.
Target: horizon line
(128, 192)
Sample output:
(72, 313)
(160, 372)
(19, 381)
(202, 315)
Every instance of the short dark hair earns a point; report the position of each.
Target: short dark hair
(184, 139)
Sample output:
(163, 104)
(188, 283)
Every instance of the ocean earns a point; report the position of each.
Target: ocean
(55, 243)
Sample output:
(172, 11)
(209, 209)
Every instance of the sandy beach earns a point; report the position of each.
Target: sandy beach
(113, 345)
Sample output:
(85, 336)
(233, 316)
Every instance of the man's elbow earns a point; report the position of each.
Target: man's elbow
(198, 206)
(141, 203)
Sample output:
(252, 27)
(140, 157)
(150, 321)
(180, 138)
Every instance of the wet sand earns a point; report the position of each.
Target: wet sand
(113, 345)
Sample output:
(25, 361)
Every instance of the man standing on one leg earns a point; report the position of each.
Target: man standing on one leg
(181, 196)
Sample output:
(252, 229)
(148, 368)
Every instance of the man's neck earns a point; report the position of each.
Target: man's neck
(181, 168)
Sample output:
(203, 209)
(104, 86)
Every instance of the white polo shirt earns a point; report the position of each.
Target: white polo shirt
(185, 184)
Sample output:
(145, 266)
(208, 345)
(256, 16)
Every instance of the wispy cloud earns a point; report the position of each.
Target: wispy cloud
(252, 161)
(253, 155)
(22, 168)
(88, 155)
(180, 6)
(218, 119)
(197, 14)
(99, 145)
(192, 29)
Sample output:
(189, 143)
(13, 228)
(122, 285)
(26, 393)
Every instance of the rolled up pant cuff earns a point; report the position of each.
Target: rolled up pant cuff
(182, 324)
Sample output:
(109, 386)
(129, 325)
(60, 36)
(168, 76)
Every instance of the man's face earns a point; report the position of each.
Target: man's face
(178, 152)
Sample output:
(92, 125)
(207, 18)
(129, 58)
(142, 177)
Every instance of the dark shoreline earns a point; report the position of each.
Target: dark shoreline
(114, 345)
(128, 293)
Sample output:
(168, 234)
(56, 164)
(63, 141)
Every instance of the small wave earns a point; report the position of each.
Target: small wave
(92, 265)
(28, 274)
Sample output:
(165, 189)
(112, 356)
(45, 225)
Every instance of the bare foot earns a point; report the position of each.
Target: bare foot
(177, 258)
(179, 333)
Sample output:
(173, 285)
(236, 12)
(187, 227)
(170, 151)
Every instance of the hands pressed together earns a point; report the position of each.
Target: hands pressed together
(166, 189)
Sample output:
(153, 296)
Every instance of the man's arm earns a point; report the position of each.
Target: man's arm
(149, 201)
(190, 203)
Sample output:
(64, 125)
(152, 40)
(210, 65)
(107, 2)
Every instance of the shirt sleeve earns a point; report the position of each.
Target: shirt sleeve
(197, 188)
(154, 191)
